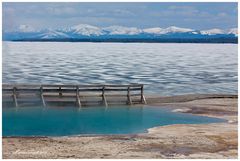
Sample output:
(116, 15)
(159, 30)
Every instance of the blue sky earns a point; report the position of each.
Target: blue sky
(143, 15)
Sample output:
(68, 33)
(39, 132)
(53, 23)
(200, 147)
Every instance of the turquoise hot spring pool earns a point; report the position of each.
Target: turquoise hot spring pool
(67, 121)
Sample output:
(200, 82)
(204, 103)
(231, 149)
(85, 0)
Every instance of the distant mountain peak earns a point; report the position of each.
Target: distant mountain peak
(177, 29)
(121, 30)
(89, 31)
(26, 28)
(85, 29)
(153, 30)
(233, 31)
(171, 29)
(212, 31)
(53, 34)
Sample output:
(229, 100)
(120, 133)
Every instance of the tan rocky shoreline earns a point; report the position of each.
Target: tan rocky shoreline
(217, 140)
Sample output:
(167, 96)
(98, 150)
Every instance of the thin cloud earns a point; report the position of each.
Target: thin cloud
(52, 15)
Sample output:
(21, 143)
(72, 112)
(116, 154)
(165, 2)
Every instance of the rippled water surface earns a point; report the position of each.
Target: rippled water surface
(166, 69)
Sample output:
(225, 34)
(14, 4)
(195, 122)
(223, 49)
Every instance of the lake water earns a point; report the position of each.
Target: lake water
(40, 121)
(165, 69)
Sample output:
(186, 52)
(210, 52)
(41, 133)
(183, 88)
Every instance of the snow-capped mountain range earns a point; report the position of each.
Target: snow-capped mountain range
(88, 31)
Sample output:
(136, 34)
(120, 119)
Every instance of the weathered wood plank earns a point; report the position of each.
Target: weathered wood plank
(15, 97)
(42, 97)
(59, 91)
(70, 85)
(104, 97)
(116, 95)
(144, 100)
(129, 96)
(78, 98)
(128, 85)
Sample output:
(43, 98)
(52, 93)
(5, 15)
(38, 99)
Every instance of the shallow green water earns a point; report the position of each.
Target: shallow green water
(62, 121)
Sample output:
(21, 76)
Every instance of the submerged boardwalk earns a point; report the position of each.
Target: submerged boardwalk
(79, 95)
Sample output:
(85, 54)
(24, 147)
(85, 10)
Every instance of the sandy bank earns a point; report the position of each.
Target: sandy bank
(217, 140)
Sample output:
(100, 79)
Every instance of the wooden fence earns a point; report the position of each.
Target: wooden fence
(79, 94)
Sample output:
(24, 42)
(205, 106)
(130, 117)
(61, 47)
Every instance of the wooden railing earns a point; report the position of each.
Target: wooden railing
(75, 93)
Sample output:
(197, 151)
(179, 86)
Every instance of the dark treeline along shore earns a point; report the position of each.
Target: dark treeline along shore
(233, 40)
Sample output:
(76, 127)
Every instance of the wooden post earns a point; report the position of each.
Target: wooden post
(103, 97)
(42, 98)
(129, 96)
(143, 100)
(60, 91)
(14, 96)
(78, 98)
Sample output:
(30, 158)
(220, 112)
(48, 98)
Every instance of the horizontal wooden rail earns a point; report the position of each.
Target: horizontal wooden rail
(65, 91)
(68, 85)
